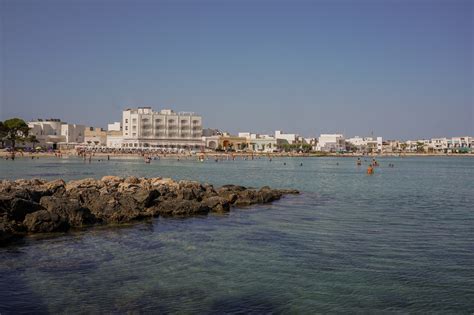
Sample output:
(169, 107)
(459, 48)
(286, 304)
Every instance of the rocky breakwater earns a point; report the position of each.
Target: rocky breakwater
(38, 206)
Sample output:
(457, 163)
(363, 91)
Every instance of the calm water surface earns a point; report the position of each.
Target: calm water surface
(399, 241)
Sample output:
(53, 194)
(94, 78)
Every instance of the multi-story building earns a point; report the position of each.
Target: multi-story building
(144, 128)
(54, 133)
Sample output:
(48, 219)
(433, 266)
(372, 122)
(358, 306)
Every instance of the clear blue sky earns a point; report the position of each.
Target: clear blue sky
(399, 68)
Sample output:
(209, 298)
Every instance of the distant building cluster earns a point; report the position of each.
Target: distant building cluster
(142, 128)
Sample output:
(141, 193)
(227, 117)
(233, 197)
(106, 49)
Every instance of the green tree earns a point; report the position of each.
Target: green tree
(33, 140)
(420, 147)
(16, 130)
(403, 146)
(3, 133)
(306, 147)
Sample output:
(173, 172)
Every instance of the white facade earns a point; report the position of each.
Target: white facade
(367, 143)
(52, 132)
(331, 143)
(116, 126)
(114, 139)
(144, 128)
(73, 133)
(259, 143)
(289, 137)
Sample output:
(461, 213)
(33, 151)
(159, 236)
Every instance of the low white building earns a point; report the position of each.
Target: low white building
(439, 144)
(331, 143)
(95, 137)
(114, 139)
(259, 143)
(53, 133)
(291, 138)
(366, 144)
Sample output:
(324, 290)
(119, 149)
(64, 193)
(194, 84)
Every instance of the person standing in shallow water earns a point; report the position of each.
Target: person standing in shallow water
(370, 170)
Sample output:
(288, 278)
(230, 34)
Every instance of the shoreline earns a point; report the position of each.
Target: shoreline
(220, 155)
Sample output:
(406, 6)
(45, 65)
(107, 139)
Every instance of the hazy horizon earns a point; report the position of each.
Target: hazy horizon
(399, 69)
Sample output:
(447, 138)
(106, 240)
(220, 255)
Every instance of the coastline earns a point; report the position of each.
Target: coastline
(222, 155)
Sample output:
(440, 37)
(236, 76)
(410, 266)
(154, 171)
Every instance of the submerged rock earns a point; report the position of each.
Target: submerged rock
(38, 206)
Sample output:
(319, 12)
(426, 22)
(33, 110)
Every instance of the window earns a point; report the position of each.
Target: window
(134, 120)
(126, 127)
(126, 121)
(134, 127)
(134, 134)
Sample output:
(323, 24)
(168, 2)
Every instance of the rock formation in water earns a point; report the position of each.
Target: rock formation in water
(38, 206)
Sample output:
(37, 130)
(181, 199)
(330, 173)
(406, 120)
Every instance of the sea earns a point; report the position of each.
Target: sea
(398, 241)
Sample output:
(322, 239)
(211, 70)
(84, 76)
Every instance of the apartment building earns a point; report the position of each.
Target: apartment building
(143, 128)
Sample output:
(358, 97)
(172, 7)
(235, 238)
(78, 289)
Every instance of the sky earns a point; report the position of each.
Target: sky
(395, 68)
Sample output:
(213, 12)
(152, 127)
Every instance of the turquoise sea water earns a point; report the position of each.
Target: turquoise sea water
(401, 240)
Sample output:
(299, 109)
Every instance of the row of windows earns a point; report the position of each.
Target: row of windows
(170, 121)
(162, 128)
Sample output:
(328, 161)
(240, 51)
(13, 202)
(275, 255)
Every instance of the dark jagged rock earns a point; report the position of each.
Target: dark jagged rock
(70, 209)
(217, 204)
(19, 208)
(38, 206)
(44, 221)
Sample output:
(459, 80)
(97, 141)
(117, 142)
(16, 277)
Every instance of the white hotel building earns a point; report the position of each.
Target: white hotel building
(143, 128)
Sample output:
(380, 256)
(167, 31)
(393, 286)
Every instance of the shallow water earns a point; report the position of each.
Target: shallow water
(401, 240)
